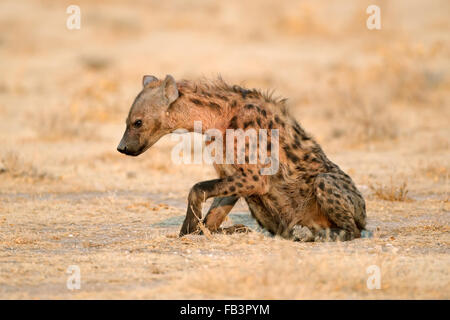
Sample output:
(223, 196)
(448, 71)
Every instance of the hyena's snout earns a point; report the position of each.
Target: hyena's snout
(130, 145)
(122, 147)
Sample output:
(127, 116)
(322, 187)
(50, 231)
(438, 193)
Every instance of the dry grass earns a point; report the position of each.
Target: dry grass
(12, 165)
(377, 101)
(391, 192)
(63, 124)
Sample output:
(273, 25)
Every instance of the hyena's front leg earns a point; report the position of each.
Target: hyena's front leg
(218, 211)
(232, 186)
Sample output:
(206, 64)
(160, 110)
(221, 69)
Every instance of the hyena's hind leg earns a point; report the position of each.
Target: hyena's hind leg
(343, 205)
(217, 213)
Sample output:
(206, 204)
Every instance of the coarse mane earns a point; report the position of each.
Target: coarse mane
(207, 87)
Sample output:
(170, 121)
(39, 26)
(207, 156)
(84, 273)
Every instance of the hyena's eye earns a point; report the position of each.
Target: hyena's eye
(137, 123)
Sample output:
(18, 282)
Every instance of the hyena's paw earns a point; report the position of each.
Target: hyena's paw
(302, 234)
(327, 235)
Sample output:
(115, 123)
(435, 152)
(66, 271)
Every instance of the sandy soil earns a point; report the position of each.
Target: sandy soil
(377, 101)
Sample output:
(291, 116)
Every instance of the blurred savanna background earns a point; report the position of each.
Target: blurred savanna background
(376, 100)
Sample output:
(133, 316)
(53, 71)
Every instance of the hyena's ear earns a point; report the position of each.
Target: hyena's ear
(148, 79)
(170, 89)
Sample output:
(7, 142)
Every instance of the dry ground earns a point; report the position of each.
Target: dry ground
(377, 101)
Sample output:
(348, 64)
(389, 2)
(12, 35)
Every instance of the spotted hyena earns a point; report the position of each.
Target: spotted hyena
(309, 198)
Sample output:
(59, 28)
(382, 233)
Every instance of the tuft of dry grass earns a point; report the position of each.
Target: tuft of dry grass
(369, 122)
(63, 123)
(11, 164)
(391, 192)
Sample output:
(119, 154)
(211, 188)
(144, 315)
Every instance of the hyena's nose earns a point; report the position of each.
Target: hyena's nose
(122, 149)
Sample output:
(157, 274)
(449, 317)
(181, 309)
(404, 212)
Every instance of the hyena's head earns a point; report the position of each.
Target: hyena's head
(146, 119)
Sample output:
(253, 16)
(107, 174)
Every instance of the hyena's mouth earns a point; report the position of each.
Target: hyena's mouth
(138, 152)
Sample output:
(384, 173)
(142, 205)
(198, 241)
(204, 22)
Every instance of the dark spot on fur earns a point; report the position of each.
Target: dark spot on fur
(322, 185)
(232, 189)
(242, 91)
(277, 119)
(255, 177)
(310, 178)
(297, 143)
(248, 123)
(196, 101)
(215, 106)
(290, 154)
(233, 123)
(221, 97)
(240, 185)
(297, 129)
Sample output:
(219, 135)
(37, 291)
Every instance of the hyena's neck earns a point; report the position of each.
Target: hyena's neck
(198, 105)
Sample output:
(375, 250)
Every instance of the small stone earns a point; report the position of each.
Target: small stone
(366, 234)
